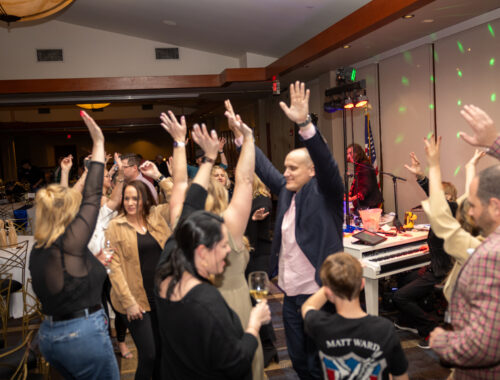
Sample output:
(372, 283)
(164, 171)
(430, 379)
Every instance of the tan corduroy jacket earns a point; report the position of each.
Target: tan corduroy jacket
(126, 278)
(446, 227)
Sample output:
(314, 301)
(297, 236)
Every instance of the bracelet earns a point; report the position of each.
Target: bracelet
(179, 144)
(221, 152)
(120, 180)
(207, 159)
(160, 178)
(306, 122)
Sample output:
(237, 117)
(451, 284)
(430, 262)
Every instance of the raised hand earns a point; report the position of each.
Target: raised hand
(108, 157)
(231, 119)
(478, 154)
(208, 142)
(169, 165)
(67, 163)
(240, 128)
(175, 128)
(432, 148)
(149, 169)
(260, 214)
(94, 130)
(482, 126)
(299, 103)
(415, 167)
(118, 161)
(222, 142)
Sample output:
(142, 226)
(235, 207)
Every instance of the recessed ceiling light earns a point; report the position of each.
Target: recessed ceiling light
(169, 22)
(408, 16)
(347, 46)
(428, 20)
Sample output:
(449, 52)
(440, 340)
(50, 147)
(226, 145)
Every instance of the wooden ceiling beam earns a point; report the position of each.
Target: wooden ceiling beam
(368, 18)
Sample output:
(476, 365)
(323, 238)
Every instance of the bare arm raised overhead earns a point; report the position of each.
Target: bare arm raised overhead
(237, 213)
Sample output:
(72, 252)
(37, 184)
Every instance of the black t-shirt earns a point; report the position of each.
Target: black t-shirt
(202, 338)
(66, 276)
(367, 347)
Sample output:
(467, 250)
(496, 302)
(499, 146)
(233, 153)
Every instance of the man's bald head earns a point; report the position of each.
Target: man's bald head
(299, 169)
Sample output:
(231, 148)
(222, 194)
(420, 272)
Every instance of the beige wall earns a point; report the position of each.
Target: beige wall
(94, 53)
(478, 82)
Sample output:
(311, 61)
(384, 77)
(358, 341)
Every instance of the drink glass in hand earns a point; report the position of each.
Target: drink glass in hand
(108, 255)
(259, 285)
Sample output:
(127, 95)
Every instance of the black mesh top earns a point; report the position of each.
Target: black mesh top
(66, 276)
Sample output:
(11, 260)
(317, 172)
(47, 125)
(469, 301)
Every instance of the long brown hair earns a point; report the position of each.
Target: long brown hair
(143, 194)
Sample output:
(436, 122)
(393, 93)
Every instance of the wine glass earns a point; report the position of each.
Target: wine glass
(108, 254)
(258, 283)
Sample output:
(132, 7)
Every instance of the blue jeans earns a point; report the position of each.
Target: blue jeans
(301, 348)
(80, 348)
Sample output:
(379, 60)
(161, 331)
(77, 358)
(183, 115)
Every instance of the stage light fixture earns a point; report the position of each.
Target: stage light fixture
(348, 103)
(361, 101)
(333, 105)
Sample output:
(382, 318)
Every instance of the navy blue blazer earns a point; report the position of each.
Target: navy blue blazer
(319, 205)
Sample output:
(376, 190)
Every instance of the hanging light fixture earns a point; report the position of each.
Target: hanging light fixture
(361, 100)
(22, 10)
(348, 104)
(93, 106)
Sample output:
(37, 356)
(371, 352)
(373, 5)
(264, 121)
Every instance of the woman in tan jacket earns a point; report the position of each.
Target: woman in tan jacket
(138, 236)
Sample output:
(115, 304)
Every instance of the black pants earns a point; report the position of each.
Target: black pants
(418, 285)
(301, 348)
(146, 335)
(120, 319)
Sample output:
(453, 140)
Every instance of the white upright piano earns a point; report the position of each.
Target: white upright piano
(397, 254)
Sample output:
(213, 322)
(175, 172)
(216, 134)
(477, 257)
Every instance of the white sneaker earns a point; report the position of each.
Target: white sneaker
(405, 328)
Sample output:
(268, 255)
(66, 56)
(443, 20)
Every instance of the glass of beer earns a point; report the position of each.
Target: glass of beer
(258, 282)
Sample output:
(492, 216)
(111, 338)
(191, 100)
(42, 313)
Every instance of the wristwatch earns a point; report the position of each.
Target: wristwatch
(160, 178)
(179, 144)
(207, 159)
(304, 123)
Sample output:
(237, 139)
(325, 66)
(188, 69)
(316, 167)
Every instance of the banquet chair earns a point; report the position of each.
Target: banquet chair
(13, 259)
(5, 288)
(32, 308)
(15, 361)
(23, 226)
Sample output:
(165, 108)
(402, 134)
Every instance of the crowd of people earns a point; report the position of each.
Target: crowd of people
(181, 257)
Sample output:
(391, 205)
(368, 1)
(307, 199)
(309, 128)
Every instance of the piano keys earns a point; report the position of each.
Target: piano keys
(397, 254)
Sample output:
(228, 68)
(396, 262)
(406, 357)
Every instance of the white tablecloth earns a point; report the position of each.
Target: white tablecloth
(16, 298)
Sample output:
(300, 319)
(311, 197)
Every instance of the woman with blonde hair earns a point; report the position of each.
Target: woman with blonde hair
(68, 279)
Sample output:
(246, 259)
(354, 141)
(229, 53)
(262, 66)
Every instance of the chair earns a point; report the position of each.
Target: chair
(23, 226)
(5, 289)
(32, 308)
(14, 360)
(13, 258)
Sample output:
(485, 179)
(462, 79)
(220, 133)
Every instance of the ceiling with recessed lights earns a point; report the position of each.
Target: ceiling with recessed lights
(229, 27)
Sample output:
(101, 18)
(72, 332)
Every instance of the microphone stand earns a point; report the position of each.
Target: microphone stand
(348, 228)
(395, 178)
